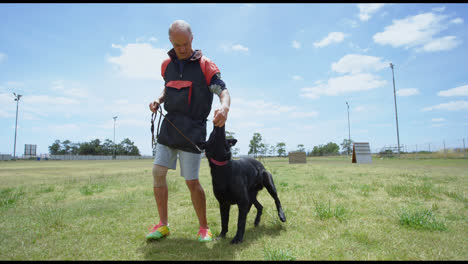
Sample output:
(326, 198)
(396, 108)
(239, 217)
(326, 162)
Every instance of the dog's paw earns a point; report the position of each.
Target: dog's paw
(282, 216)
(236, 240)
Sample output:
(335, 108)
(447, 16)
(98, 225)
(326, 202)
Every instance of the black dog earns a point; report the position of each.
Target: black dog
(237, 182)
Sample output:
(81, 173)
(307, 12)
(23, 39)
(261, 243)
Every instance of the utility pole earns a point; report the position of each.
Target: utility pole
(396, 112)
(113, 156)
(349, 130)
(17, 98)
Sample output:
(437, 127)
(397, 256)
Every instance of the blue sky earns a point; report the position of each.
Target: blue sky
(290, 69)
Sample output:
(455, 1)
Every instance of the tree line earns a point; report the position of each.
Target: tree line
(94, 147)
(257, 147)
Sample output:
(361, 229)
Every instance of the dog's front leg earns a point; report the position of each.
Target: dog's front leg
(243, 211)
(224, 211)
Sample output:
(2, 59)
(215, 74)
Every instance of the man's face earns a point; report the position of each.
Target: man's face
(182, 43)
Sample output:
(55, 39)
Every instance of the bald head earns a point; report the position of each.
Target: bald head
(181, 38)
(180, 25)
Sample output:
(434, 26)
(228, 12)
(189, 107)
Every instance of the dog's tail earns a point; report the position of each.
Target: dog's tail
(270, 186)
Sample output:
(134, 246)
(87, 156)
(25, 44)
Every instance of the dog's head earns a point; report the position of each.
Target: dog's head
(217, 146)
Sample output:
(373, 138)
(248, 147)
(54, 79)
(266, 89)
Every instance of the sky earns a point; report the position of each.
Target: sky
(289, 68)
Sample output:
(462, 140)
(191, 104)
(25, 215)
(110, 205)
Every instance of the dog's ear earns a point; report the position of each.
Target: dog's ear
(231, 142)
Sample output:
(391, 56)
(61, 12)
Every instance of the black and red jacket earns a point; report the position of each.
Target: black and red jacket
(187, 100)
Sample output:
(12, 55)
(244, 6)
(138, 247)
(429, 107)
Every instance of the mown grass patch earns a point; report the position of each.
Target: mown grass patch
(10, 196)
(112, 220)
(425, 190)
(277, 254)
(326, 211)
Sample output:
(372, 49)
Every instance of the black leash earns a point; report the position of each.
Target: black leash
(154, 141)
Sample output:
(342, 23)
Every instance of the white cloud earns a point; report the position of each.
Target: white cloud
(356, 47)
(304, 114)
(296, 44)
(139, 60)
(344, 84)
(239, 47)
(355, 63)
(367, 10)
(457, 21)
(407, 92)
(439, 9)
(450, 106)
(49, 100)
(14, 83)
(7, 99)
(72, 89)
(445, 43)
(297, 78)
(236, 47)
(417, 31)
(438, 119)
(458, 91)
(333, 37)
(360, 108)
(3, 56)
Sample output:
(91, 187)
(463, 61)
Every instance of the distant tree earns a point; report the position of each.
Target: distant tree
(128, 148)
(229, 135)
(255, 144)
(272, 150)
(281, 149)
(264, 148)
(66, 147)
(108, 147)
(347, 146)
(300, 148)
(328, 149)
(331, 149)
(54, 148)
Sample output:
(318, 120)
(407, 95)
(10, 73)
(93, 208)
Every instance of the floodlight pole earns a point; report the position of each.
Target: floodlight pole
(396, 112)
(17, 98)
(115, 117)
(349, 130)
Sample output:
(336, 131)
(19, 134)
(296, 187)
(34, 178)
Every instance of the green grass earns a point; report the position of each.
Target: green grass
(392, 209)
(421, 219)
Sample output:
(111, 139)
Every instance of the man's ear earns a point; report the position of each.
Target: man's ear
(231, 142)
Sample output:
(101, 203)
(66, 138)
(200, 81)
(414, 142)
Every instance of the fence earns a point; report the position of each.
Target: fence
(5, 157)
(96, 157)
(444, 149)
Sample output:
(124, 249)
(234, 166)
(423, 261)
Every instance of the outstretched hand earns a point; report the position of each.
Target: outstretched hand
(220, 116)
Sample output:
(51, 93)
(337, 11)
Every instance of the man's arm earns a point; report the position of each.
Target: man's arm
(220, 114)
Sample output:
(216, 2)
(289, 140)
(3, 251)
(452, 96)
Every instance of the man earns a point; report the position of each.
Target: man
(190, 79)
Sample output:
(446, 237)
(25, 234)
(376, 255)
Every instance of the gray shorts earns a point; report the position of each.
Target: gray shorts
(189, 162)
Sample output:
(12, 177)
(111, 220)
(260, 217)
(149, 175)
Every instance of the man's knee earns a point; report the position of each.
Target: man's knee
(193, 185)
(159, 176)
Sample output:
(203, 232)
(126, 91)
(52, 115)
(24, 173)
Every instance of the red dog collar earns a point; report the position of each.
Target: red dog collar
(219, 163)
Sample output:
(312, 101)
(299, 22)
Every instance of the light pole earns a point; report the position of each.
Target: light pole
(113, 156)
(17, 98)
(349, 130)
(396, 112)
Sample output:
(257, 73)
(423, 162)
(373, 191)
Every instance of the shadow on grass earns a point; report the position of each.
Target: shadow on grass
(174, 248)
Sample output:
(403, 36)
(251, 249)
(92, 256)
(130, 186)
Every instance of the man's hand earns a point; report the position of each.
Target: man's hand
(154, 106)
(220, 116)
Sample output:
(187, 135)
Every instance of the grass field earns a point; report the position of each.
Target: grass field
(392, 209)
